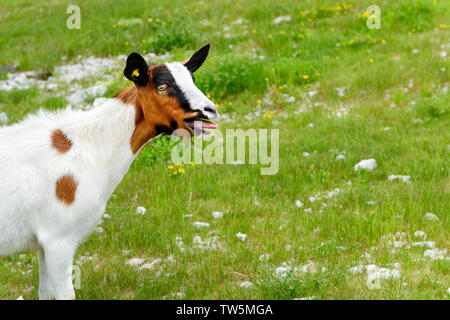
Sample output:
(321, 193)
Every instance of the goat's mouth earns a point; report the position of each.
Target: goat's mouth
(199, 125)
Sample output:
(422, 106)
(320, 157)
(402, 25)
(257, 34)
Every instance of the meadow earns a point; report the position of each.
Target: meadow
(338, 91)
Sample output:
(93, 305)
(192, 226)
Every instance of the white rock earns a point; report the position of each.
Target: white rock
(135, 262)
(420, 234)
(405, 179)
(201, 225)
(141, 210)
(368, 164)
(298, 203)
(435, 254)
(431, 216)
(246, 284)
(3, 118)
(428, 244)
(151, 265)
(241, 236)
(280, 19)
(264, 257)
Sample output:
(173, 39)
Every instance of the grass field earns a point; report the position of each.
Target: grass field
(338, 91)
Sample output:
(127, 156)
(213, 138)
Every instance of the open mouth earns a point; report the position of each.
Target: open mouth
(200, 125)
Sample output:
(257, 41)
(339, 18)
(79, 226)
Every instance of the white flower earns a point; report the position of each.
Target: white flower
(306, 154)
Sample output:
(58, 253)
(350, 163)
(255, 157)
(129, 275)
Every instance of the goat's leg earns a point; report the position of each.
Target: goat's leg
(58, 260)
(45, 286)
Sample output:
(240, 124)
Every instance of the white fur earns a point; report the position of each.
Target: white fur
(31, 216)
(196, 98)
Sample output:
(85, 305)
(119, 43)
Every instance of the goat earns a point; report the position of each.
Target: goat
(58, 170)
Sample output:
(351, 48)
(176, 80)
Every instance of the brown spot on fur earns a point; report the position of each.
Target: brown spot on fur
(60, 141)
(65, 189)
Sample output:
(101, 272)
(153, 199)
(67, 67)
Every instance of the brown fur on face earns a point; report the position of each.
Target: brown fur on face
(153, 111)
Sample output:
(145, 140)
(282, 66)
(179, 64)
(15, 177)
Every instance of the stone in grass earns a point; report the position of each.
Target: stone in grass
(241, 236)
(201, 225)
(141, 210)
(217, 214)
(431, 216)
(246, 284)
(298, 203)
(367, 164)
(405, 179)
(135, 262)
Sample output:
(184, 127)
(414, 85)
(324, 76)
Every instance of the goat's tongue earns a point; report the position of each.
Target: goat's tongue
(202, 124)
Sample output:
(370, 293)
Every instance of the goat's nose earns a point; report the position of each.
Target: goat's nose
(212, 112)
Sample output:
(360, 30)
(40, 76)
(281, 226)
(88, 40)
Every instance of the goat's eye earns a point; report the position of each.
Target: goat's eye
(162, 87)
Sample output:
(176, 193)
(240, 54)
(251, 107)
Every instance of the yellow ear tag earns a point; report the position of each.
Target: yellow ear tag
(135, 73)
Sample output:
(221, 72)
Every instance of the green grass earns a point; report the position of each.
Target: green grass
(263, 207)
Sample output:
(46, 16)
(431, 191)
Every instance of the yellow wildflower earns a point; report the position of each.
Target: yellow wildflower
(305, 76)
(371, 60)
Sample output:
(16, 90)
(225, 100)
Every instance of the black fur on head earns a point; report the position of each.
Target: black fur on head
(136, 69)
(197, 59)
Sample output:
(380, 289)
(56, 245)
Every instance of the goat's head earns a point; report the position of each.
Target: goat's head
(167, 95)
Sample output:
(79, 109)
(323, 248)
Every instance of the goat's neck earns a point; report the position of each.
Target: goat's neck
(104, 140)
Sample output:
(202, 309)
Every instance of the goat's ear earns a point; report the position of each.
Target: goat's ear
(197, 59)
(136, 69)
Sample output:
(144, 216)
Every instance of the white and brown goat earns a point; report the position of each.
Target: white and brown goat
(58, 170)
